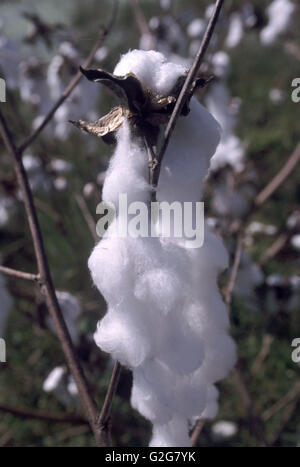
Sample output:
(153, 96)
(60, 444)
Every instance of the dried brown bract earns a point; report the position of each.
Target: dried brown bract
(145, 109)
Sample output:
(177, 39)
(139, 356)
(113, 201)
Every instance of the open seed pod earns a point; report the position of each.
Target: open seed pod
(146, 109)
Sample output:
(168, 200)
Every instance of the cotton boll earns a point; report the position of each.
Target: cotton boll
(62, 386)
(196, 27)
(166, 320)
(6, 210)
(53, 379)
(250, 276)
(231, 151)
(295, 242)
(236, 31)
(172, 434)
(60, 166)
(280, 15)
(151, 68)
(224, 429)
(220, 62)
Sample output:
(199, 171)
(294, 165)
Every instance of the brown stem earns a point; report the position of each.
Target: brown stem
(279, 178)
(87, 216)
(103, 419)
(281, 403)
(19, 274)
(196, 432)
(47, 286)
(39, 415)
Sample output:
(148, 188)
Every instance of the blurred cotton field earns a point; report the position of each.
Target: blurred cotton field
(156, 298)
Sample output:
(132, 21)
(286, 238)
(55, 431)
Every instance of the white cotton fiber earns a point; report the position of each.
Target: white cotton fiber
(166, 320)
(185, 165)
(172, 434)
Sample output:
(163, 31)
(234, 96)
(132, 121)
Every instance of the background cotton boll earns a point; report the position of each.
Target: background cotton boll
(224, 429)
(196, 27)
(217, 101)
(172, 434)
(6, 210)
(54, 378)
(220, 62)
(280, 15)
(125, 336)
(38, 178)
(295, 242)
(61, 385)
(144, 399)
(151, 68)
(250, 276)
(185, 166)
(236, 31)
(71, 310)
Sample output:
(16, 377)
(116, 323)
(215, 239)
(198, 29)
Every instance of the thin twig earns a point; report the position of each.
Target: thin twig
(196, 432)
(142, 22)
(74, 81)
(104, 416)
(262, 355)
(47, 286)
(87, 216)
(268, 191)
(19, 274)
(256, 422)
(234, 270)
(286, 417)
(281, 403)
(279, 178)
(184, 93)
(40, 415)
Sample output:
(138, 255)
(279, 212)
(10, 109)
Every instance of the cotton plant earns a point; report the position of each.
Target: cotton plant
(165, 320)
